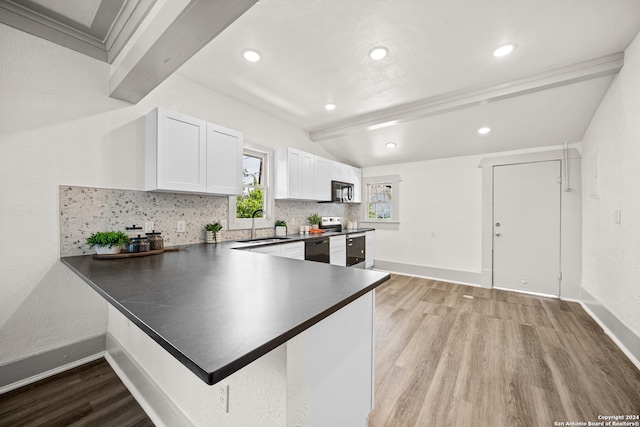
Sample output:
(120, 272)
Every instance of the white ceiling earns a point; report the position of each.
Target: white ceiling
(315, 52)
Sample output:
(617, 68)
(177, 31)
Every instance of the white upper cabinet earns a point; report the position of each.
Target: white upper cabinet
(321, 179)
(303, 176)
(340, 171)
(293, 174)
(175, 152)
(185, 154)
(224, 160)
(355, 178)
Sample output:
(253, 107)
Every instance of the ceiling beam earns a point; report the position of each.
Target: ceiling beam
(452, 101)
(195, 26)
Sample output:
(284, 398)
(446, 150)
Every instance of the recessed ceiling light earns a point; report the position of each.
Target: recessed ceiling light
(251, 55)
(484, 130)
(390, 144)
(504, 50)
(378, 52)
(330, 107)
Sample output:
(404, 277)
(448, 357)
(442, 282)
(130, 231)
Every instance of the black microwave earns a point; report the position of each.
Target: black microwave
(341, 192)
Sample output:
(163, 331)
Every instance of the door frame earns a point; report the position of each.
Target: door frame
(570, 217)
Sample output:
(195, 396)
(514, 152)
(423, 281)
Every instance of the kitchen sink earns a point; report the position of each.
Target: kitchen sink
(264, 240)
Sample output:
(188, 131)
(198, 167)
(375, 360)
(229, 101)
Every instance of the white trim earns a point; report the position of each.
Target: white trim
(51, 372)
(153, 400)
(459, 277)
(243, 223)
(622, 335)
(394, 222)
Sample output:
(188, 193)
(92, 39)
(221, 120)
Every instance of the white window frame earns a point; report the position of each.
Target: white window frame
(245, 223)
(392, 223)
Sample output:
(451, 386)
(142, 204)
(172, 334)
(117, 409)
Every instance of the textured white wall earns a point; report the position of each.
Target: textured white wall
(59, 127)
(442, 196)
(610, 251)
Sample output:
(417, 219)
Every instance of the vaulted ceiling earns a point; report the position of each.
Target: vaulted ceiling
(436, 87)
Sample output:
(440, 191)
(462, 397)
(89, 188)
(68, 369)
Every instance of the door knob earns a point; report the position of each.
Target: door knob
(497, 233)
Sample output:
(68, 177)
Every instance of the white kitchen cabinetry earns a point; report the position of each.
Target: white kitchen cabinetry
(293, 250)
(321, 179)
(185, 154)
(338, 250)
(293, 174)
(370, 248)
(355, 178)
(224, 160)
(340, 172)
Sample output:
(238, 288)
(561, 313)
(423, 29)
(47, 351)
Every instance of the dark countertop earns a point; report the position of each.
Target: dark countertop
(216, 309)
(297, 237)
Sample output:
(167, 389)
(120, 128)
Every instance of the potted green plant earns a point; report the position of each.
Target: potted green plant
(281, 228)
(108, 242)
(212, 232)
(314, 220)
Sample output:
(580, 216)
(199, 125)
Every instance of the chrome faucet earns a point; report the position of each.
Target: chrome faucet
(253, 221)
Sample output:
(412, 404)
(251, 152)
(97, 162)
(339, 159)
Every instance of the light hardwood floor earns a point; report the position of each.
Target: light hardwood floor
(499, 359)
(89, 395)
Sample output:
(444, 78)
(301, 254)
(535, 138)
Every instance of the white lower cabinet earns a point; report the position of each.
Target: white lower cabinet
(338, 250)
(369, 249)
(293, 250)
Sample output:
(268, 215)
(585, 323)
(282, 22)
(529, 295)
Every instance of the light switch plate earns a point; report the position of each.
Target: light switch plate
(181, 226)
(148, 226)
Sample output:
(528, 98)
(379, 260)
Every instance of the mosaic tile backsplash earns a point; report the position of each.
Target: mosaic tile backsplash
(85, 210)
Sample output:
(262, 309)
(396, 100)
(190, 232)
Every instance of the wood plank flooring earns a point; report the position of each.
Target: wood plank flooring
(89, 395)
(499, 359)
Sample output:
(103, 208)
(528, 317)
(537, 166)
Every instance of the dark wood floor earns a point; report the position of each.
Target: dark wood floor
(89, 395)
(499, 359)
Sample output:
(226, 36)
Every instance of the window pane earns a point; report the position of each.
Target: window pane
(379, 203)
(252, 170)
(249, 201)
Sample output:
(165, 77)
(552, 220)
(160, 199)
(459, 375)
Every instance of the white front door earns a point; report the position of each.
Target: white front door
(526, 227)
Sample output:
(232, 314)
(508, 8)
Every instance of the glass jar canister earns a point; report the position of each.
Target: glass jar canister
(155, 240)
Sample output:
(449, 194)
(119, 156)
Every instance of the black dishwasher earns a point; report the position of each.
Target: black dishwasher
(355, 250)
(317, 250)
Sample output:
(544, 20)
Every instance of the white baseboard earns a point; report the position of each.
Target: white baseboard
(155, 402)
(624, 337)
(34, 368)
(434, 273)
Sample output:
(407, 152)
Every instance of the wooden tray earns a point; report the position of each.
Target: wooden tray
(133, 254)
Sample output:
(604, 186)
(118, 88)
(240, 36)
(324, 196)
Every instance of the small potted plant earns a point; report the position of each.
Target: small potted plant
(281, 228)
(314, 220)
(108, 242)
(212, 232)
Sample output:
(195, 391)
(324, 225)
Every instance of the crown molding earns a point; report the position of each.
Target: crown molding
(92, 41)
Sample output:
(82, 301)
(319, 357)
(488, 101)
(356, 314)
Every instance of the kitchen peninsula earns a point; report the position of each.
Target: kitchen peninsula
(292, 339)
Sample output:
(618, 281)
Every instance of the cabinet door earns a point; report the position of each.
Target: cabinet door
(294, 160)
(292, 250)
(224, 160)
(340, 172)
(355, 177)
(369, 251)
(338, 250)
(306, 176)
(180, 152)
(321, 179)
(269, 250)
